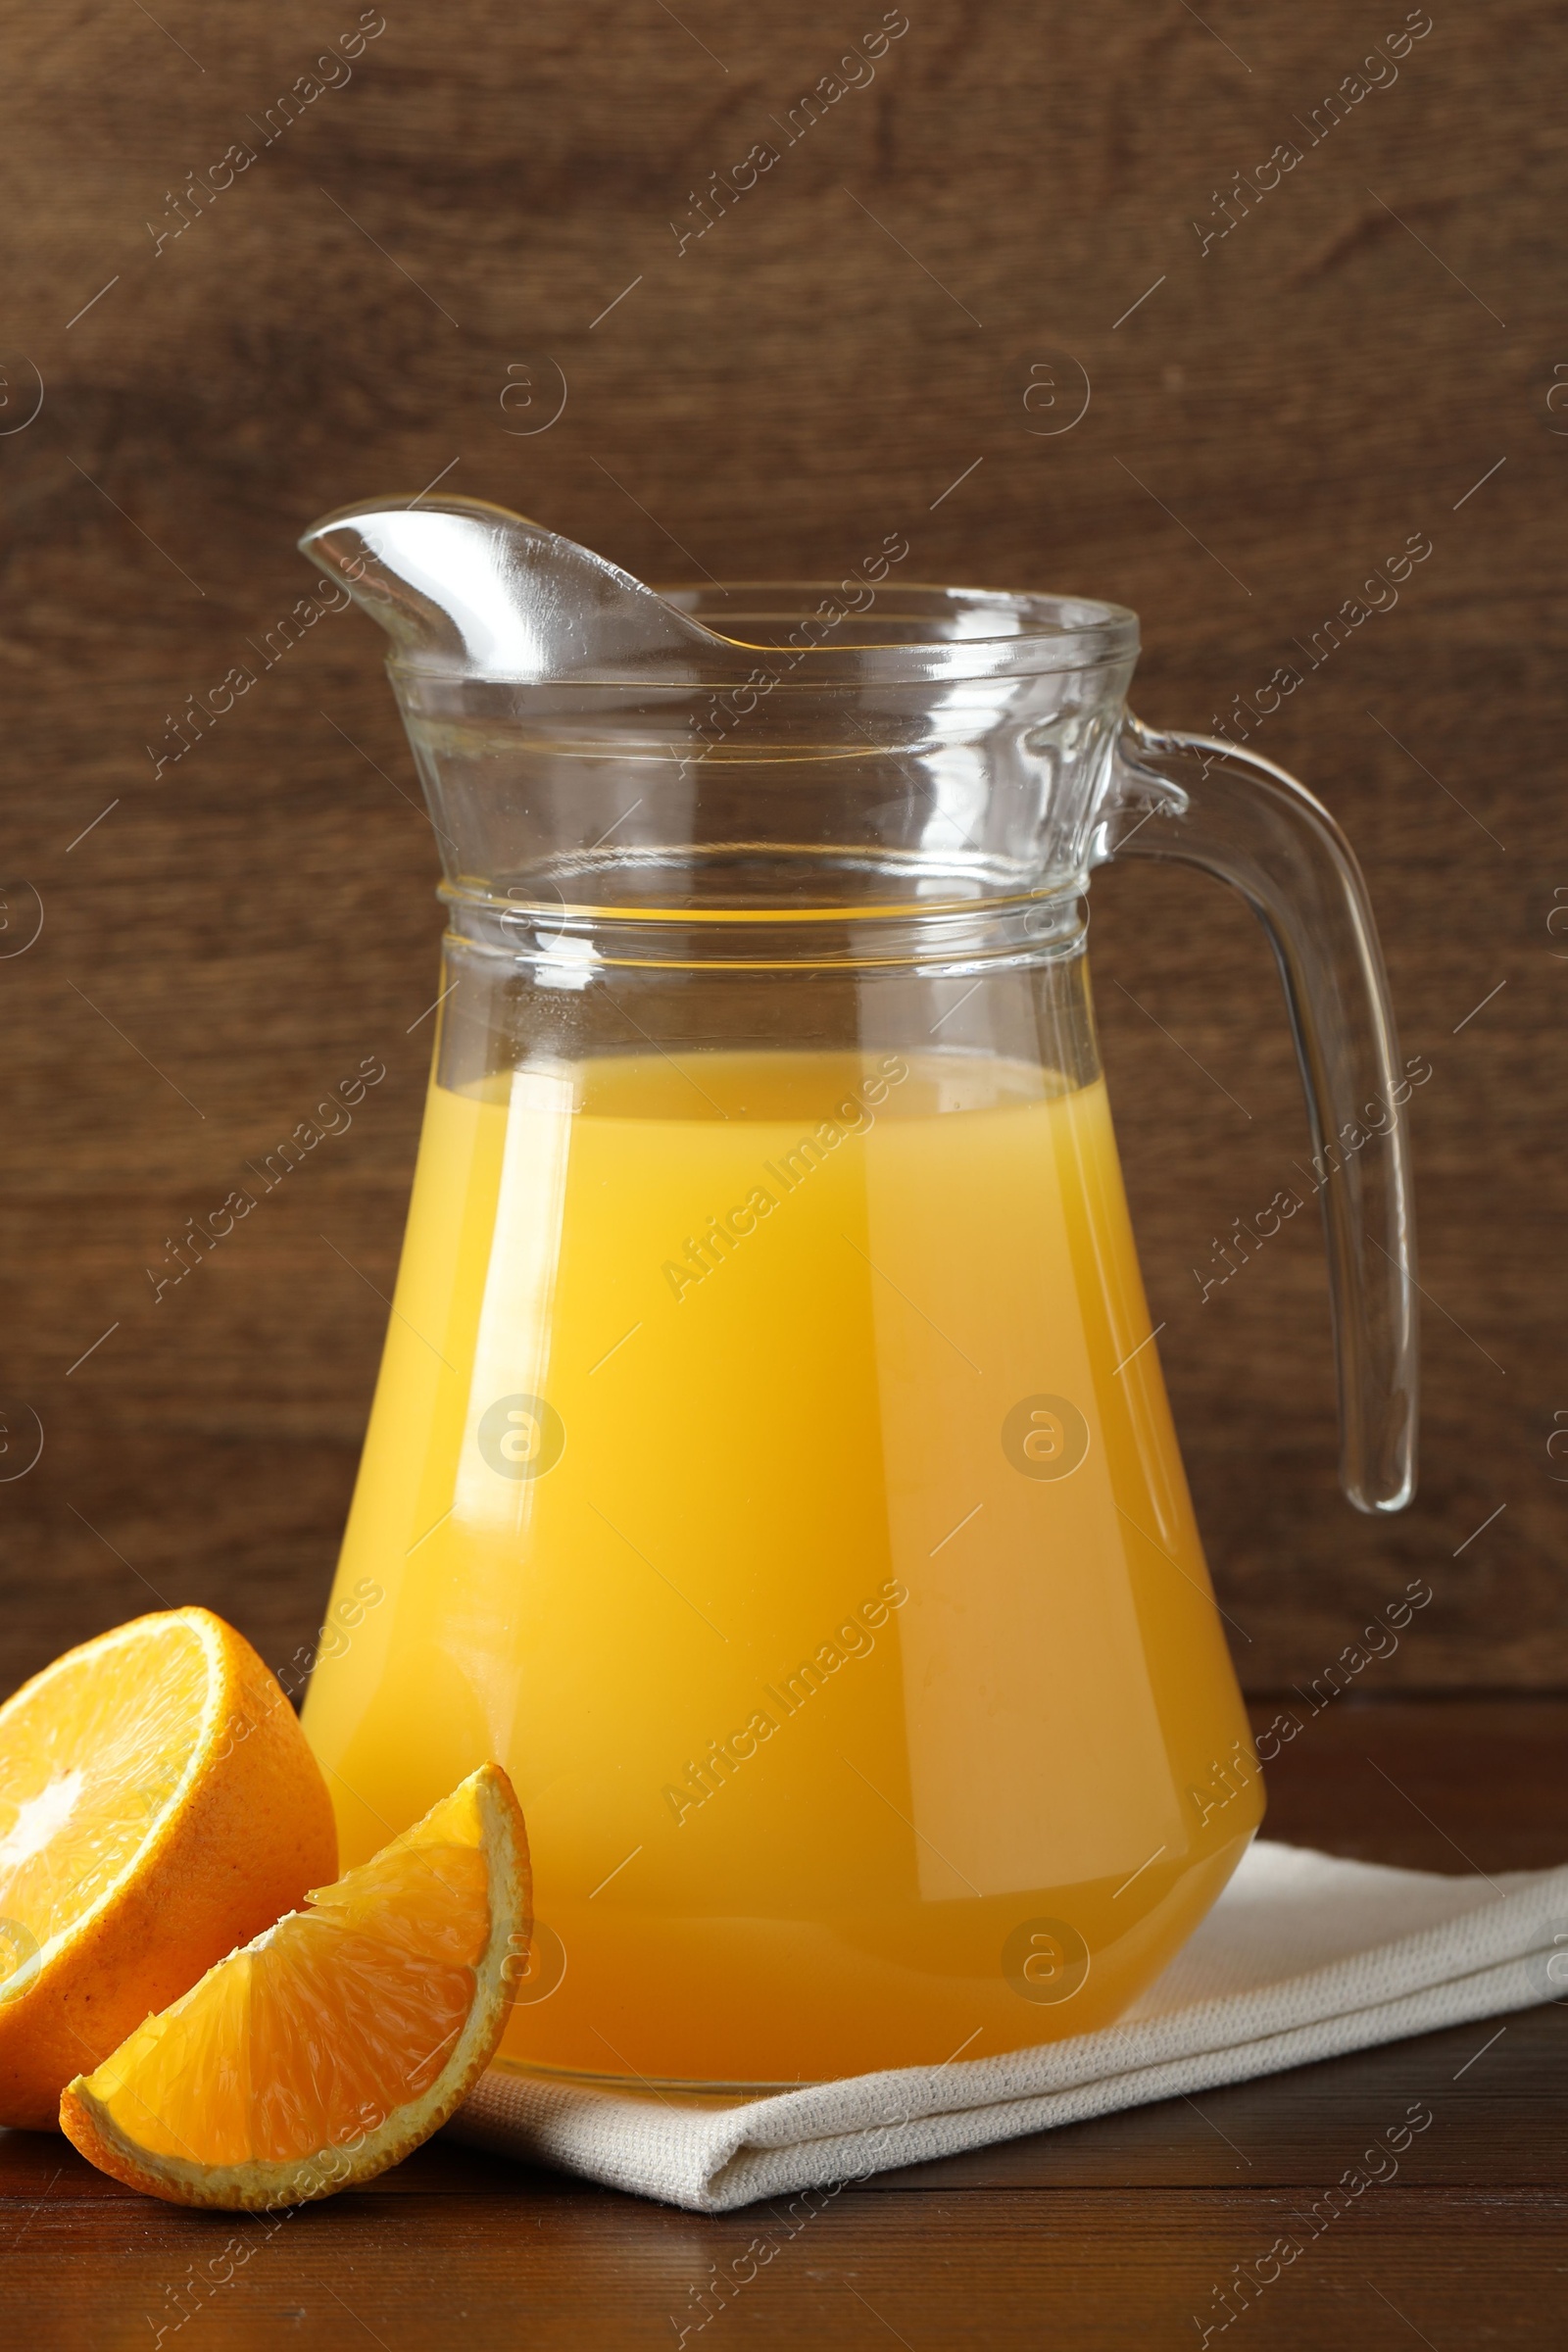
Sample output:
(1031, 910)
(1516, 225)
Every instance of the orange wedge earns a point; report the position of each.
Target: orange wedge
(158, 1803)
(335, 2042)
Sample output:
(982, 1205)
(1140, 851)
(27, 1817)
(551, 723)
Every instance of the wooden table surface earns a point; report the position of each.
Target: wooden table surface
(1113, 2233)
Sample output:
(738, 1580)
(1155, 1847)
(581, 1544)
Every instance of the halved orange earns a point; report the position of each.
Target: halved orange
(335, 2042)
(158, 1804)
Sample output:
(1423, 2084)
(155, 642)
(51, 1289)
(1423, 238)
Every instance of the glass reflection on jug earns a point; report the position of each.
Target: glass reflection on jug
(771, 1462)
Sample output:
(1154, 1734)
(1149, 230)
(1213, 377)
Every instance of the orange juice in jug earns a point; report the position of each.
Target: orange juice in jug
(771, 1466)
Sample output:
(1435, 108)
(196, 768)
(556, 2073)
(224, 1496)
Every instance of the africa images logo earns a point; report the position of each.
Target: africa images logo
(521, 1436)
(1045, 1437)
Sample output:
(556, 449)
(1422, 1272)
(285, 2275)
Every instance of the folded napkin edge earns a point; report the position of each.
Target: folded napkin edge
(695, 2182)
(1406, 1966)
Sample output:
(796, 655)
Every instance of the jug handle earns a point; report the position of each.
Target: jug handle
(1253, 825)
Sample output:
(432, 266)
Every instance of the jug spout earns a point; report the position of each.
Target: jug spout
(465, 589)
(866, 741)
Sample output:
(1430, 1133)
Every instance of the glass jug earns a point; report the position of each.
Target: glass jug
(770, 1462)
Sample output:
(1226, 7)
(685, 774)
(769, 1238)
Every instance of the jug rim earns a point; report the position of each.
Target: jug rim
(1043, 616)
(890, 642)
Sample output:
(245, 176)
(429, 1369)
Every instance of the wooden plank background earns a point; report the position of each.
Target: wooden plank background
(1369, 353)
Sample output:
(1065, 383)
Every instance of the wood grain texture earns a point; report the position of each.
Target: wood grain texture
(1372, 338)
(1112, 2234)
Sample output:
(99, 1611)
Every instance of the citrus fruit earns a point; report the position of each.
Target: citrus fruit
(158, 1804)
(337, 2040)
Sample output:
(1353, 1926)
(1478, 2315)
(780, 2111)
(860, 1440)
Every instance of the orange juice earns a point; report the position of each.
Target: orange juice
(771, 1466)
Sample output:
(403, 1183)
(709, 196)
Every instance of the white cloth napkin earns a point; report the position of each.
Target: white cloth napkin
(1304, 1958)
